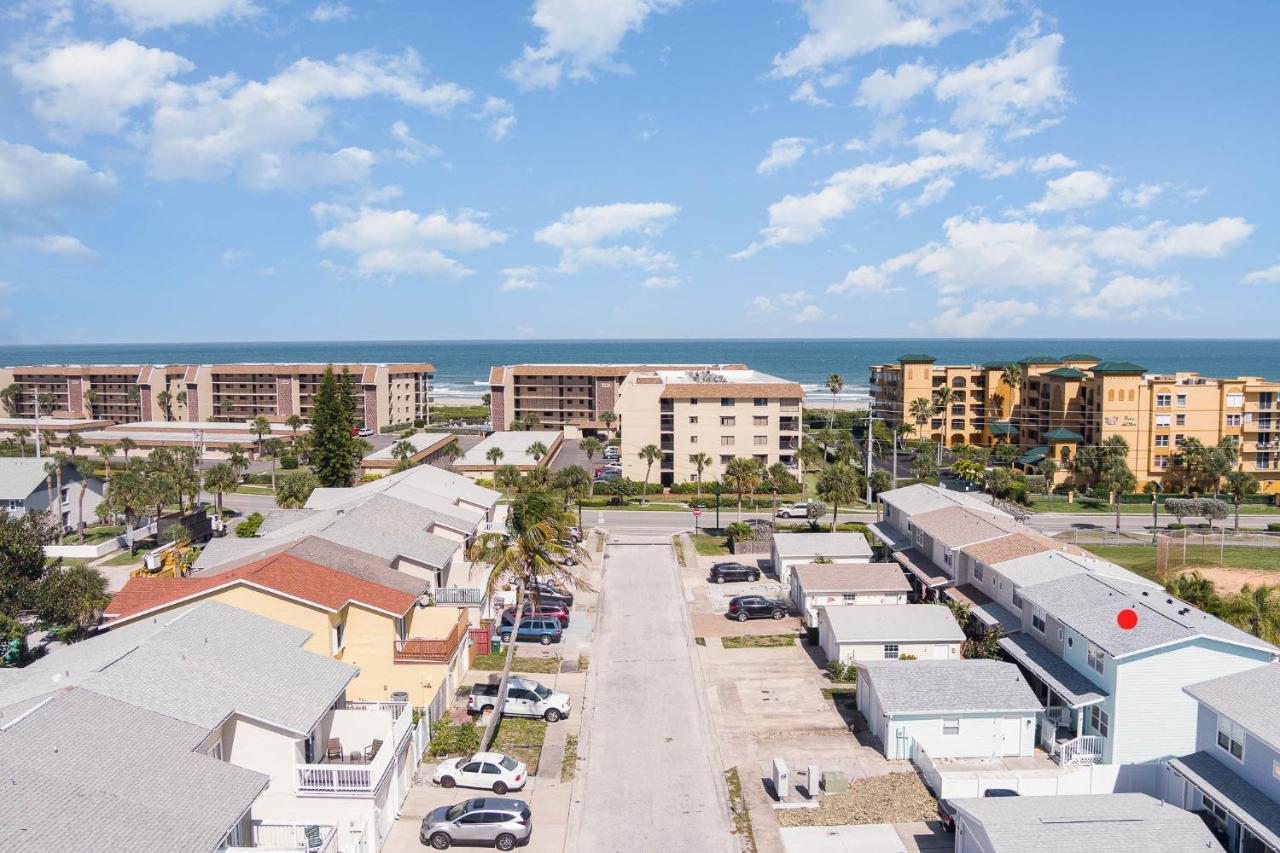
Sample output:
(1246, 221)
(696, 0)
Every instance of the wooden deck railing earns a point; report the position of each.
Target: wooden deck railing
(422, 650)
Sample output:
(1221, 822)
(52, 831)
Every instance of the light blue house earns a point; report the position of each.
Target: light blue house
(1233, 777)
(1115, 696)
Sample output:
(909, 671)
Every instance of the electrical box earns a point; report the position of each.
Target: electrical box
(781, 778)
(811, 781)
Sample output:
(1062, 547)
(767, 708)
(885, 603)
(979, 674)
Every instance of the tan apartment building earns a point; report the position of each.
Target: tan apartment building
(722, 412)
(1061, 404)
(387, 394)
(570, 397)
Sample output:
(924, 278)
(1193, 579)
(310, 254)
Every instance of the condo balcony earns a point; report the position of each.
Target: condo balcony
(356, 745)
(287, 838)
(433, 650)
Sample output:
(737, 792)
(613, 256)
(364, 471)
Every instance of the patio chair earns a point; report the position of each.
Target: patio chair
(333, 749)
(371, 750)
(315, 840)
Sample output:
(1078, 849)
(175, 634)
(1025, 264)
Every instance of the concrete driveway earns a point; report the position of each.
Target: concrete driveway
(651, 777)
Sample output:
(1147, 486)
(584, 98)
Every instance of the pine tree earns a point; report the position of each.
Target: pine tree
(333, 454)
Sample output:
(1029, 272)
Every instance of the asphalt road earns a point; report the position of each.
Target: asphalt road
(651, 779)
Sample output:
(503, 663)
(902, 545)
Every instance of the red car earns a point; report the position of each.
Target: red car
(545, 610)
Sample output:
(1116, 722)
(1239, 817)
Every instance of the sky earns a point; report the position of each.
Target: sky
(205, 170)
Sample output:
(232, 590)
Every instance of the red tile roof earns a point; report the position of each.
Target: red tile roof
(282, 573)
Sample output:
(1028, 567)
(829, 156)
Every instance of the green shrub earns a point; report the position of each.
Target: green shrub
(1177, 526)
(248, 528)
(288, 463)
(1274, 527)
(449, 738)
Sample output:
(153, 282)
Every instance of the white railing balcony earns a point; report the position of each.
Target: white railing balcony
(289, 837)
(1082, 750)
(366, 750)
(401, 716)
(458, 595)
(338, 779)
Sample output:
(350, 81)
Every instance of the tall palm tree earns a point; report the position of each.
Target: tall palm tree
(107, 450)
(943, 398)
(127, 444)
(1011, 378)
(839, 483)
(590, 446)
(73, 442)
(237, 458)
(527, 554)
(293, 422)
(220, 479)
(135, 396)
(700, 462)
(181, 397)
(811, 456)
(494, 455)
(260, 427)
(537, 450)
(403, 449)
(649, 454)
(90, 397)
(452, 452)
(835, 384)
(609, 418)
(165, 400)
(9, 397)
(55, 466)
(1240, 485)
(741, 475)
(272, 448)
(22, 434)
(84, 470)
(920, 409)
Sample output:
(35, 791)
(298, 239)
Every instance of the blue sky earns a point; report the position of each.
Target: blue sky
(194, 170)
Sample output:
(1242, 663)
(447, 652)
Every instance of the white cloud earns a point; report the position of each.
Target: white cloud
(886, 91)
(982, 318)
(503, 115)
(933, 192)
(584, 226)
(520, 278)
(1161, 241)
(1127, 296)
(91, 86)
(1143, 195)
(327, 13)
(579, 37)
(402, 242)
(863, 279)
(232, 256)
(842, 29)
(661, 282)
(782, 153)
(1076, 190)
(809, 314)
(31, 179)
(763, 304)
(222, 125)
(411, 149)
(1052, 163)
(295, 170)
(55, 244)
(1270, 275)
(151, 14)
(793, 298)
(987, 254)
(807, 93)
(1024, 81)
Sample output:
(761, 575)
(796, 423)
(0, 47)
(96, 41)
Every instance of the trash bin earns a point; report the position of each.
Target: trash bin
(495, 644)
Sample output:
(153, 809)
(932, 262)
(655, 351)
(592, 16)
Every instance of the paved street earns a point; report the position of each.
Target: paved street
(651, 778)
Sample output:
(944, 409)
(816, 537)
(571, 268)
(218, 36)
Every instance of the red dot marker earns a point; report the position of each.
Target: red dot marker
(1127, 619)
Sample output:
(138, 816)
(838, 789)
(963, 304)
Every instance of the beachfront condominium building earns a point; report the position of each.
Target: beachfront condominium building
(723, 413)
(386, 394)
(1055, 406)
(570, 397)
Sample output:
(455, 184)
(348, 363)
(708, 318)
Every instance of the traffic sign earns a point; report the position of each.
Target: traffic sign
(696, 512)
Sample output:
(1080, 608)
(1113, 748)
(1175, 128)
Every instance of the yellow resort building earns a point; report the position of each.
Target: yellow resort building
(399, 645)
(1059, 404)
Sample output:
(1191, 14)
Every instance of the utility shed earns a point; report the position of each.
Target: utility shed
(878, 632)
(816, 585)
(796, 549)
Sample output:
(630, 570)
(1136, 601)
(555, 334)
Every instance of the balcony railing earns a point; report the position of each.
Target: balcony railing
(465, 596)
(347, 777)
(281, 837)
(1085, 749)
(422, 650)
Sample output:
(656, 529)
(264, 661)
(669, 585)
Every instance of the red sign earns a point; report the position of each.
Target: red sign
(696, 512)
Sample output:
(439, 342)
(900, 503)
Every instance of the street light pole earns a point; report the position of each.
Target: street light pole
(1155, 514)
(717, 491)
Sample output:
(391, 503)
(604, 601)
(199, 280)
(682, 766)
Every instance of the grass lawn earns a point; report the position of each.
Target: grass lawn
(569, 763)
(522, 739)
(124, 558)
(711, 546)
(1142, 558)
(1039, 503)
(494, 663)
(840, 690)
(760, 641)
(98, 535)
(253, 489)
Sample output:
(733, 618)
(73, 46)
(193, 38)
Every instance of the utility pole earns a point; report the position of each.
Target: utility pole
(35, 398)
(871, 419)
(895, 459)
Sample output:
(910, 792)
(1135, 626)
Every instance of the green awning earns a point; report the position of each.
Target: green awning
(1118, 367)
(916, 358)
(1002, 428)
(1063, 434)
(997, 365)
(1066, 373)
(1033, 456)
(1040, 359)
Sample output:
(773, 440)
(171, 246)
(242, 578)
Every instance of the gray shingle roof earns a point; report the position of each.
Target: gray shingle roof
(1250, 698)
(1086, 823)
(893, 623)
(391, 528)
(831, 545)
(20, 477)
(424, 478)
(514, 446)
(921, 498)
(1249, 805)
(1052, 565)
(956, 526)
(358, 564)
(87, 772)
(851, 577)
(1089, 603)
(1069, 683)
(959, 686)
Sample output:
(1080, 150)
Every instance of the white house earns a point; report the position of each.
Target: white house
(878, 632)
(948, 708)
(26, 487)
(817, 585)
(1135, 823)
(796, 549)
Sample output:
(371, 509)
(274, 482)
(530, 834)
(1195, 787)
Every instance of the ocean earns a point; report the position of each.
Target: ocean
(462, 367)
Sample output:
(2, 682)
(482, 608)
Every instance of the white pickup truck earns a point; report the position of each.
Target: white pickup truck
(525, 698)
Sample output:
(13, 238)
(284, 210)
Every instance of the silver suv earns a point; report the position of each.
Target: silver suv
(498, 821)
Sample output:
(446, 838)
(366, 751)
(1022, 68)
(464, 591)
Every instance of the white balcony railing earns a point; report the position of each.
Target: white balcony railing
(401, 717)
(458, 595)
(1085, 749)
(353, 779)
(288, 837)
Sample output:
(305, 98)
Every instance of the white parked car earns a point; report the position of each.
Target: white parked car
(367, 431)
(793, 511)
(492, 771)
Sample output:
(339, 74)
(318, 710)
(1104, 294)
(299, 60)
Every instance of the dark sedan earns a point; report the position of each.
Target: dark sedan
(725, 572)
(744, 607)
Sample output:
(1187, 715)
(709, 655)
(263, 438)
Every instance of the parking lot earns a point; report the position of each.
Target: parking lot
(709, 602)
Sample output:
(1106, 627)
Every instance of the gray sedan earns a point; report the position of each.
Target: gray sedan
(499, 821)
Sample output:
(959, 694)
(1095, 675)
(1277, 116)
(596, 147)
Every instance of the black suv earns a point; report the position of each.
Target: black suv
(744, 607)
(549, 593)
(722, 572)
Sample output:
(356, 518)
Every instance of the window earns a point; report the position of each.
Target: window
(1231, 737)
(1178, 439)
(693, 439)
(919, 538)
(693, 419)
(951, 726)
(762, 401)
(1037, 620)
(1235, 400)
(977, 571)
(850, 598)
(760, 420)
(1162, 441)
(1181, 401)
(1233, 420)
(1162, 461)
(1163, 400)
(339, 629)
(1095, 657)
(1179, 420)
(1017, 598)
(728, 401)
(761, 440)
(891, 651)
(725, 458)
(1099, 721)
(947, 556)
(726, 441)
(1163, 420)
(728, 421)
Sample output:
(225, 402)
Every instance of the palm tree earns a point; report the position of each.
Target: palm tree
(452, 452)
(527, 554)
(573, 482)
(127, 444)
(700, 462)
(9, 397)
(838, 484)
(271, 448)
(220, 479)
(1240, 485)
(921, 409)
(107, 450)
(236, 458)
(537, 450)
(1256, 610)
(1114, 472)
(403, 449)
(835, 384)
(260, 427)
(90, 397)
(181, 397)
(165, 400)
(650, 454)
(1011, 377)
(22, 434)
(55, 466)
(135, 396)
(609, 418)
(1048, 469)
(506, 476)
(590, 446)
(741, 475)
(73, 442)
(942, 398)
(84, 470)
(811, 456)
(293, 422)
(494, 455)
